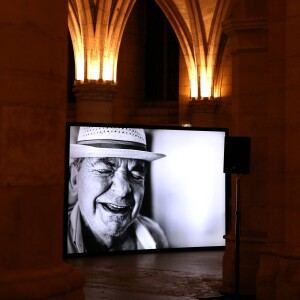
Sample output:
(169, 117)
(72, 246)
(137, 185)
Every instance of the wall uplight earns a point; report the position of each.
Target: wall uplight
(93, 64)
(93, 71)
(205, 85)
(108, 69)
(79, 66)
(194, 88)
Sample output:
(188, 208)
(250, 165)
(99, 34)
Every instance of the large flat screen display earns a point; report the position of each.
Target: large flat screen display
(143, 188)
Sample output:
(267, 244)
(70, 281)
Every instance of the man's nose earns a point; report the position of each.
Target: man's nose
(121, 186)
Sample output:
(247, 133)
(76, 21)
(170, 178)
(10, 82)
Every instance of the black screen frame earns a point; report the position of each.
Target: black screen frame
(227, 190)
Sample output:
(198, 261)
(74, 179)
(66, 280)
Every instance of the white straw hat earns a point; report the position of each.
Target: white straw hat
(112, 142)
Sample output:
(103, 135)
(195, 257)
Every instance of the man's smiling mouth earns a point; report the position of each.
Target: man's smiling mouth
(116, 209)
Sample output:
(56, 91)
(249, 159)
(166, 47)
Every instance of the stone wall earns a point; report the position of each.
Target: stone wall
(33, 77)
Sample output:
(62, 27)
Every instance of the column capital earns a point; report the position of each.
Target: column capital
(94, 100)
(247, 35)
(205, 105)
(94, 90)
(233, 25)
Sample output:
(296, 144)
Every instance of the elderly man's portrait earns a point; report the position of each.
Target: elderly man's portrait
(144, 188)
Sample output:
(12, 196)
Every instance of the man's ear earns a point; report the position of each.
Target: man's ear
(73, 189)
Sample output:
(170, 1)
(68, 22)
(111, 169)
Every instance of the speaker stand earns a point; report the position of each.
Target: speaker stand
(236, 295)
(237, 236)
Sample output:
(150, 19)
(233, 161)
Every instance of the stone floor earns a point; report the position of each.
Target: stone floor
(159, 276)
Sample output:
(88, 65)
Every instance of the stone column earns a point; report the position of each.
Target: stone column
(203, 112)
(33, 72)
(279, 272)
(94, 101)
(247, 38)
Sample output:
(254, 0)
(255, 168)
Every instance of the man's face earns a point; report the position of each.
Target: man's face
(110, 193)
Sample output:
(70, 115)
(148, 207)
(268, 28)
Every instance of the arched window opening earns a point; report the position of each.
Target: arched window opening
(161, 56)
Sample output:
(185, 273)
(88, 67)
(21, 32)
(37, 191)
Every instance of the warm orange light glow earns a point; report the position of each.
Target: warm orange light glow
(108, 69)
(79, 59)
(79, 66)
(93, 71)
(194, 88)
(93, 64)
(205, 84)
(217, 92)
(93, 67)
(115, 70)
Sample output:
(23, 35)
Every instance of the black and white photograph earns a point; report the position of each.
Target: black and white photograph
(131, 189)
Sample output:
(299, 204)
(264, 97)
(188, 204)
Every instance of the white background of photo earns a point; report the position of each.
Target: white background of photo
(188, 187)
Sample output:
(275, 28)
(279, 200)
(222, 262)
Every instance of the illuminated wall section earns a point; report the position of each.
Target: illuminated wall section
(199, 40)
(96, 29)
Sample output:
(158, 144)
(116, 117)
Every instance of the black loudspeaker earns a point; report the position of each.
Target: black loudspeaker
(237, 155)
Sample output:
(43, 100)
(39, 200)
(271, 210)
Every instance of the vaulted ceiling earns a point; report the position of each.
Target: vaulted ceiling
(97, 26)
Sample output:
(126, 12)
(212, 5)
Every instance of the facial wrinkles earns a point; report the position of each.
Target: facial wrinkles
(120, 186)
(99, 176)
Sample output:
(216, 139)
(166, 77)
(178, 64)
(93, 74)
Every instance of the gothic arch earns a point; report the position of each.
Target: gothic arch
(183, 34)
(96, 29)
(199, 39)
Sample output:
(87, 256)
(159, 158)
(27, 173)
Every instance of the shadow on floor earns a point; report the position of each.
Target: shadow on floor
(231, 297)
